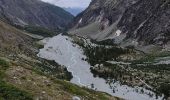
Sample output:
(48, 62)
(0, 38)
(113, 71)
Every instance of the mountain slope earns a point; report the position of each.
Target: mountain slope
(34, 13)
(23, 75)
(138, 21)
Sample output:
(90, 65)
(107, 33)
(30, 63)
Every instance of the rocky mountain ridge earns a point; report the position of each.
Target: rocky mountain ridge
(135, 22)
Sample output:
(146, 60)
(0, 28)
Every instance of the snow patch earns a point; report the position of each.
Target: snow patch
(80, 21)
(118, 32)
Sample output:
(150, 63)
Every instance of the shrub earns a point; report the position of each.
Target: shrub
(8, 92)
(4, 64)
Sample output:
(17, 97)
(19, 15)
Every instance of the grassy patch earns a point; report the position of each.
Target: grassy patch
(40, 31)
(8, 92)
(83, 92)
(39, 46)
(151, 57)
(3, 64)
(109, 42)
(153, 68)
(53, 69)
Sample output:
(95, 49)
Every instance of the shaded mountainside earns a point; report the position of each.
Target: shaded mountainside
(34, 13)
(25, 76)
(138, 21)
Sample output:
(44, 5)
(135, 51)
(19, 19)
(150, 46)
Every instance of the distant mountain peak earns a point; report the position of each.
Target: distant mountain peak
(74, 10)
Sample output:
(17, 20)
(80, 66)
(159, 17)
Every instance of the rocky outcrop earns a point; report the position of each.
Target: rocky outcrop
(34, 13)
(137, 21)
(147, 21)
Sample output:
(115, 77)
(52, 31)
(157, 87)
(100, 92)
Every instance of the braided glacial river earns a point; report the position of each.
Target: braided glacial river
(63, 51)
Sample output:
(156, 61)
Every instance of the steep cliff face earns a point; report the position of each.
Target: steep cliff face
(34, 13)
(103, 10)
(142, 21)
(147, 21)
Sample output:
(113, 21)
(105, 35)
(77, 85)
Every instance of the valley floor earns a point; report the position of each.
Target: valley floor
(65, 51)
